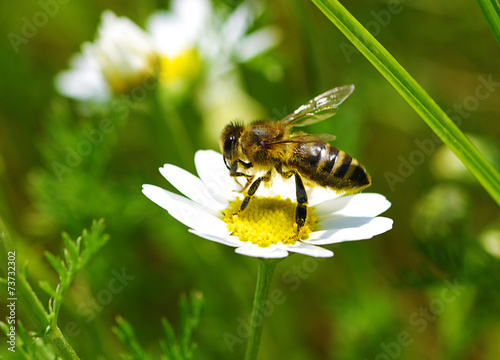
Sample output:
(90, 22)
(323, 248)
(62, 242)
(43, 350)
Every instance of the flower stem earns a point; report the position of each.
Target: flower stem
(264, 276)
(172, 128)
(57, 339)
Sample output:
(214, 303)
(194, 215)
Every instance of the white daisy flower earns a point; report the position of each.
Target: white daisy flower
(122, 57)
(194, 24)
(266, 228)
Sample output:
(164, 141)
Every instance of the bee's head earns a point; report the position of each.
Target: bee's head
(229, 141)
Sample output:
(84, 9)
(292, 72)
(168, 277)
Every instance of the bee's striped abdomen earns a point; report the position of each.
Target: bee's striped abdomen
(328, 166)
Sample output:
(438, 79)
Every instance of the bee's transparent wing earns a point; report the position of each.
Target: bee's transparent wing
(320, 108)
(304, 138)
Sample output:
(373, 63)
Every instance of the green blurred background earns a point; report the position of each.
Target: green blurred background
(428, 289)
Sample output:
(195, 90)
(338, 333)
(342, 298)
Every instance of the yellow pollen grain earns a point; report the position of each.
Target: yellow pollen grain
(267, 221)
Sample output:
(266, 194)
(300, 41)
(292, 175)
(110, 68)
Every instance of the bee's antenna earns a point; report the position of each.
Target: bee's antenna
(225, 162)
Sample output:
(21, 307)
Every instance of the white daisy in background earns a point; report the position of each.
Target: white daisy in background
(122, 57)
(219, 41)
(266, 228)
(178, 43)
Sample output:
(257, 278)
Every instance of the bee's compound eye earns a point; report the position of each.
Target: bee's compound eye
(229, 145)
(229, 140)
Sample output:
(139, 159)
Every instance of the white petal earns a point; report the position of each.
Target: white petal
(214, 174)
(188, 212)
(191, 186)
(237, 25)
(307, 249)
(127, 36)
(123, 49)
(194, 14)
(167, 32)
(348, 228)
(366, 204)
(318, 194)
(227, 240)
(270, 252)
(84, 81)
(257, 42)
(81, 85)
(177, 30)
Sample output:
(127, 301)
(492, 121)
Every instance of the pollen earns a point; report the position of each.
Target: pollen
(267, 221)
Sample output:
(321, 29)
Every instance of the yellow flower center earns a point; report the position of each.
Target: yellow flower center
(185, 65)
(267, 221)
(123, 81)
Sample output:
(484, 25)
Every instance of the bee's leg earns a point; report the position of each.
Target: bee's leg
(301, 209)
(244, 164)
(249, 181)
(233, 171)
(253, 188)
(248, 178)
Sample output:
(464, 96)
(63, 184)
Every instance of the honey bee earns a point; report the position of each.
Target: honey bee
(267, 146)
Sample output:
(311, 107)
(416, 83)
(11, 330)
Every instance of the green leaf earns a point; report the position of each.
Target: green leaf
(92, 241)
(70, 248)
(4, 327)
(26, 342)
(125, 333)
(182, 346)
(56, 263)
(491, 12)
(190, 319)
(169, 332)
(70, 262)
(170, 347)
(45, 286)
(414, 94)
(68, 268)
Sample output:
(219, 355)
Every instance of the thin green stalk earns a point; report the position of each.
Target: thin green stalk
(264, 277)
(57, 339)
(491, 12)
(36, 316)
(414, 94)
(175, 130)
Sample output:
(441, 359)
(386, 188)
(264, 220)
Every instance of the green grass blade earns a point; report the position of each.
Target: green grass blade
(414, 94)
(491, 12)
